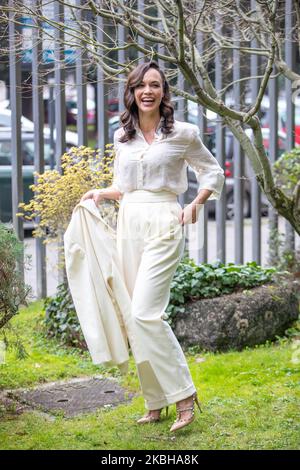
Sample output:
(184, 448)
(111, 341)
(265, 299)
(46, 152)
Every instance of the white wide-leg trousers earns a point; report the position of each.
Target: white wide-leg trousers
(150, 243)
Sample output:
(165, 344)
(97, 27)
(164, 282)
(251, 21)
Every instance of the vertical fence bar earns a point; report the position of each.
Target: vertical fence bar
(141, 40)
(273, 155)
(290, 107)
(39, 162)
(220, 155)
(238, 160)
(102, 99)
(81, 79)
(51, 119)
(181, 115)
(15, 98)
(202, 124)
(121, 59)
(160, 47)
(59, 86)
(60, 108)
(254, 187)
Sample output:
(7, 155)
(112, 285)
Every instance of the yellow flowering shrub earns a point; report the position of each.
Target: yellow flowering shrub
(57, 193)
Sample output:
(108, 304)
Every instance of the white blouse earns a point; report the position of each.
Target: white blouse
(162, 164)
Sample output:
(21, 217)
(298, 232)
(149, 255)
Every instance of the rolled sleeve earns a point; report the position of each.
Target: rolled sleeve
(209, 173)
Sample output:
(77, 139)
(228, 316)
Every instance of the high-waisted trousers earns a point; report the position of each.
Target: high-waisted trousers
(150, 244)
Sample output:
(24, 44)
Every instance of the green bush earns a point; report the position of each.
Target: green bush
(287, 170)
(61, 319)
(287, 176)
(190, 282)
(281, 257)
(193, 282)
(13, 291)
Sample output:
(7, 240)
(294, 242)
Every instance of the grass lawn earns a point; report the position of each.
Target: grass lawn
(250, 399)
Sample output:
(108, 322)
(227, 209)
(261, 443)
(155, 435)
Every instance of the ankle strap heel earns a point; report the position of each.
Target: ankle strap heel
(150, 418)
(182, 422)
(198, 403)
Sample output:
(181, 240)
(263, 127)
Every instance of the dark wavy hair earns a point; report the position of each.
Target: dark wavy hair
(129, 117)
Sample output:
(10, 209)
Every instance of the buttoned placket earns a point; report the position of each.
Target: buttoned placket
(140, 173)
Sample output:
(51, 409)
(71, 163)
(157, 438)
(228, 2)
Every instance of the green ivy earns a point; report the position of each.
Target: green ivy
(61, 319)
(194, 282)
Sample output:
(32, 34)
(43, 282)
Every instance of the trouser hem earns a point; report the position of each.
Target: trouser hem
(170, 399)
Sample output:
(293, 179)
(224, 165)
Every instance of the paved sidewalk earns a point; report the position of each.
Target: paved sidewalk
(52, 275)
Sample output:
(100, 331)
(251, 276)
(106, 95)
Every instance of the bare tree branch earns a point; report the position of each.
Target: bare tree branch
(175, 24)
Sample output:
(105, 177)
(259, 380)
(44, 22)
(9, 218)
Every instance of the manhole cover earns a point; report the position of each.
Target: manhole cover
(76, 396)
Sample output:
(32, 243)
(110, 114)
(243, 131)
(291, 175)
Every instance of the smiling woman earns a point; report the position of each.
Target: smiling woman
(147, 100)
(152, 152)
(148, 95)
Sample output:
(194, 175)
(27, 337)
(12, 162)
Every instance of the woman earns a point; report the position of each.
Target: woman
(152, 154)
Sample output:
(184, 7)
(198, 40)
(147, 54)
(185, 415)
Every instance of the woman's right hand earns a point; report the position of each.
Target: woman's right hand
(95, 194)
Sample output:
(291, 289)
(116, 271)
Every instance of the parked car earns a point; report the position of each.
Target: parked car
(72, 112)
(281, 106)
(28, 126)
(5, 121)
(113, 125)
(229, 174)
(27, 146)
(113, 107)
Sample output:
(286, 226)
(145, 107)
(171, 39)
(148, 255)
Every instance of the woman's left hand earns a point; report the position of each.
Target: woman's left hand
(190, 213)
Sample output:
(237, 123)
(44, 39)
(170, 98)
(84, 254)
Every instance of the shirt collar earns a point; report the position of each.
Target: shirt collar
(157, 130)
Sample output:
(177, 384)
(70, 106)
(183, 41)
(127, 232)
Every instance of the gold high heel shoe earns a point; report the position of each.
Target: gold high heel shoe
(181, 422)
(150, 418)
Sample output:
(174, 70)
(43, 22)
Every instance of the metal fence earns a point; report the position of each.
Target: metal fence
(80, 70)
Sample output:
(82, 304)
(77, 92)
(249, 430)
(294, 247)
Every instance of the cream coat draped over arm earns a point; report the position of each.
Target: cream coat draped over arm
(100, 297)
